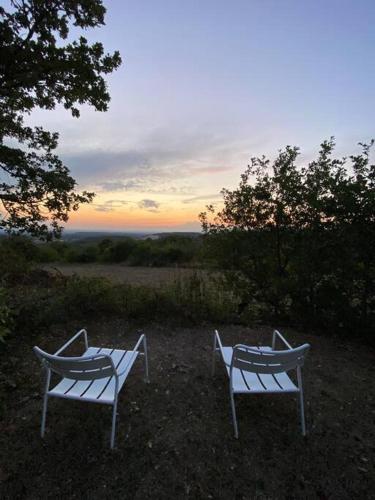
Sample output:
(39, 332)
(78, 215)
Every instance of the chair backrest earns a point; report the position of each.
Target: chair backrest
(78, 368)
(255, 360)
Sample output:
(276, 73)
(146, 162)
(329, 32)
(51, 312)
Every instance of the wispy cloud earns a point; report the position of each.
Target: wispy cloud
(120, 185)
(210, 169)
(103, 208)
(112, 205)
(145, 186)
(109, 205)
(204, 197)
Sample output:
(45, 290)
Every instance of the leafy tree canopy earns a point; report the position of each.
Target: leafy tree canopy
(300, 240)
(40, 68)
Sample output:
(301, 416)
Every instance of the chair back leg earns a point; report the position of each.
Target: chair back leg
(147, 377)
(214, 357)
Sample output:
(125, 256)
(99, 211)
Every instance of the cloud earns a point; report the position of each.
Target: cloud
(107, 167)
(149, 205)
(109, 205)
(204, 197)
(117, 202)
(103, 208)
(146, 186)
(210, 169)
(159, 164)
(133, 185)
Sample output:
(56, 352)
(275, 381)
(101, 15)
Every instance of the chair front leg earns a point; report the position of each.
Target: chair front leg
(44, 414)
(45, 403)
(302, 410)
(113, 431)
(234, 416)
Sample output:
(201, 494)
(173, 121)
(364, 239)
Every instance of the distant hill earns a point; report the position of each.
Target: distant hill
(93, 236)
(71, 236)
(183, 234)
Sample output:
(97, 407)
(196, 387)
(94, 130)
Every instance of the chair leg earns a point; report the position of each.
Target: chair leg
(234, 414)
(114, 414)
(147, 377)
(44, 415)
(302, 411)
(214, 357)
(301, 405)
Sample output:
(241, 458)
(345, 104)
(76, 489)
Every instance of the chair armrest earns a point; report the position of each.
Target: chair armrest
(217, 341)
(277, 334)
(123, 371)
(83, 331)
(142, 339)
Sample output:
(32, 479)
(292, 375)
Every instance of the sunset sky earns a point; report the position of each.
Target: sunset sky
(205, 85)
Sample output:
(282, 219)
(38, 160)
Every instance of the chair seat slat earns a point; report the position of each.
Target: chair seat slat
(247, 382)
(127, 362)
(285, 382)
(99, 391)
(269, 382)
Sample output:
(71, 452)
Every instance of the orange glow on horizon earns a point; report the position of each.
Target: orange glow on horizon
(119, 219)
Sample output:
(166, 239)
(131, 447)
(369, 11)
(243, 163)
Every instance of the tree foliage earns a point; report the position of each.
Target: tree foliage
(40, 67)
(300, 241)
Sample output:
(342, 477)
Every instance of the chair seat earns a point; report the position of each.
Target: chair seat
(100, 390)
(247, 382)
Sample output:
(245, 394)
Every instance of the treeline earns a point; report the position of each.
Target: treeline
(166, 251)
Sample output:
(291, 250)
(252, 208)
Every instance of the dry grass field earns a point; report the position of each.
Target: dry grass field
(147, 276)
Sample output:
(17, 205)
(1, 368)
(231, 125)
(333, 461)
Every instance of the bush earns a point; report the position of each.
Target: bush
(17, 255)
(82, 296)
(6, 316)
(298, 243)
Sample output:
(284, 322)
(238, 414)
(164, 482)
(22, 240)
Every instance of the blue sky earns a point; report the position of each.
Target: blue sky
(204, 86)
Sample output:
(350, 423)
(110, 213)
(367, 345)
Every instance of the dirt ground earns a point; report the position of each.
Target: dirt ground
(174, 435)
(146, 276)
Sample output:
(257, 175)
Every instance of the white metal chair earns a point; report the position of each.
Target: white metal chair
(262, 370)
(97, 376)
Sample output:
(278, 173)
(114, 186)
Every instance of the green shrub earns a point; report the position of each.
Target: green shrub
(6, 316)
(17, 254)
(202, 297)
(89, 296)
